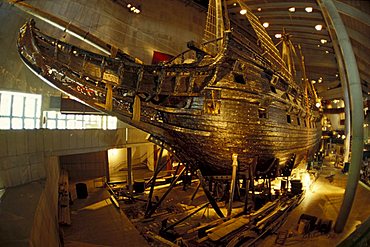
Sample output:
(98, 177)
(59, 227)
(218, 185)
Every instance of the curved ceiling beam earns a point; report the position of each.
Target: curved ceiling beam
(352, 12)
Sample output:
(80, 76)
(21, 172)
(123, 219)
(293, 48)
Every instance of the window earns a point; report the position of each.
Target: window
(262, 113)
(57, 120)
(239, 78)
(19, 110)
(288, 119)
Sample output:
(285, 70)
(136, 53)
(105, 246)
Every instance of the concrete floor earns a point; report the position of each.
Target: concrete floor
(96, 222)
(323, 200)
(17, 209)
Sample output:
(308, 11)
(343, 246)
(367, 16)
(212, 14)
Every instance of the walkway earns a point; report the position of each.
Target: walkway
(96, 222)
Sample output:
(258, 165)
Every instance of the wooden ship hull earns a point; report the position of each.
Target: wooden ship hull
(240, 100)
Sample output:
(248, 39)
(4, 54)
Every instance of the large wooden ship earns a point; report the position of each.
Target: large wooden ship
(233, 94)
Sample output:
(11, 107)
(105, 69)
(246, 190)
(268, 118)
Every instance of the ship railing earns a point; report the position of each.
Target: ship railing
(190, 56)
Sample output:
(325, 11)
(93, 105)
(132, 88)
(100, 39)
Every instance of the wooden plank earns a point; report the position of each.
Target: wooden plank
(224, 230)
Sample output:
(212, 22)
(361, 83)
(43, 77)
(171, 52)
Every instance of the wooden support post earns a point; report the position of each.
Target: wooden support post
(233, 182)
(109, 97)
(129, 170)
(208, 194)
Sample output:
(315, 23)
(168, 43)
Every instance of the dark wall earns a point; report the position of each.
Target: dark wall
(85, 166)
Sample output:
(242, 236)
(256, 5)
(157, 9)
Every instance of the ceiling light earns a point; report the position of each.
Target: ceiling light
(336, 75)
(318, 45)
(318, 27)
(243, 11)
(308, 9)
(266, 24)
(313, 81)
(278, 35)
(320, 80)
(323, 41)
(327, 52)
(234, 4)
(129, 5)
(259, 9)
(292, 9)
(318, 104)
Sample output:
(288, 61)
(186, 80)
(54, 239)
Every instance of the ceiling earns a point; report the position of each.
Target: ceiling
(317, 45)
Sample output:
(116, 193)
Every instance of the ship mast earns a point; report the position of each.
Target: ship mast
(215, 27)
(288, 52)
(265, 42)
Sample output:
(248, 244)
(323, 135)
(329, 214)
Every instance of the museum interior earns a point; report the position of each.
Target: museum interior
(184, 123)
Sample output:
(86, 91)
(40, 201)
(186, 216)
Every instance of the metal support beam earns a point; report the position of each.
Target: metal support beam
(185, 218)
(158, 168)
(233, 182)
(152, 209)
(208, 194)
(129, 170)
(332, 16)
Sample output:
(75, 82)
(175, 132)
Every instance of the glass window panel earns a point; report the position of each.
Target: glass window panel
(61, 124)
(4, 123)
(79, 117)
(17, 108)
(104, 121)
(17, 123)
(30, 107)
(61, 116)
(52, 114)
(29, 123)
(70, 124)
(86, 117)
(5, 104)
(79, 124)
(51, 124)
(38, 105)
(37, 124)
(112, 122)
(70, 116)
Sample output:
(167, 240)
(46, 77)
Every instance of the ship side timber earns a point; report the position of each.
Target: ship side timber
(203, 111)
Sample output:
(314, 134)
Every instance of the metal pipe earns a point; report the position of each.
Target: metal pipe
(233, 181)
(355, 92)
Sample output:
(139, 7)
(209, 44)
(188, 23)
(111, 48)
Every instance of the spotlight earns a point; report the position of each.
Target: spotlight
(318, 27)
(266, 24)
(292, 9)
(278, 35)
(308, 9)
(323, 41)
(243, 11)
